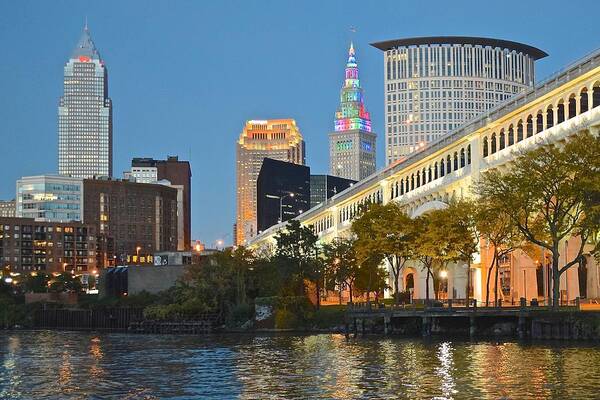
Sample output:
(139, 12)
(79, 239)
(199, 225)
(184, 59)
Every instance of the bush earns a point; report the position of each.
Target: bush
(286, 319)
(239, 315)
(329, 317)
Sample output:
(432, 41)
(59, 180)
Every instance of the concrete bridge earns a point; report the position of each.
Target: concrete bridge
(563, 105)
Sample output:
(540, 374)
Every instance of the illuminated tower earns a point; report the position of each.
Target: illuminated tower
(279, 139)
(352, 144)
(85, 114)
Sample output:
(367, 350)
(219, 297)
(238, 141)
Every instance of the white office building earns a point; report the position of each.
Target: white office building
(435, 84)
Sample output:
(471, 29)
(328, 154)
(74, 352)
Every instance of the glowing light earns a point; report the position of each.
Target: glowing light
(351, 114)
(8, 279)
(84, 59)
(443, 274)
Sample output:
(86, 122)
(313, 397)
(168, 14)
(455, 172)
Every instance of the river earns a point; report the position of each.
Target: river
(71, 365)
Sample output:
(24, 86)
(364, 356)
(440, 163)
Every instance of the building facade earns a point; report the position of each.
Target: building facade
(282, 192)
(132, 220)
(8, 208)
(551, 113)
(323, 187)
(85, 114)
(279, 139)
(179, 175)
(27, 245)
(50, 198)
(435, 84)
(352, 147)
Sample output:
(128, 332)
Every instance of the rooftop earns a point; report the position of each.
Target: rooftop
(471, 40)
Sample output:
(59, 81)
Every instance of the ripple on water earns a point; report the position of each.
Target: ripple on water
(69, 365)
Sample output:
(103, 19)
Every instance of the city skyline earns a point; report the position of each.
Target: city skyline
(31, 135)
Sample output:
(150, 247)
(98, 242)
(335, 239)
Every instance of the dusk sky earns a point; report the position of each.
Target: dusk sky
(184, 76)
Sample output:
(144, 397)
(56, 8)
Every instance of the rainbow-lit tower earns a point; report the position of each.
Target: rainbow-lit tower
(352, 143)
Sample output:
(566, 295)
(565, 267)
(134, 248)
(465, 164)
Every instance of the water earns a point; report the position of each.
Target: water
(70, 365)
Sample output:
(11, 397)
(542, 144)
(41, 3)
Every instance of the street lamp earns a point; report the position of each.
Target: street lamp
(271, 196)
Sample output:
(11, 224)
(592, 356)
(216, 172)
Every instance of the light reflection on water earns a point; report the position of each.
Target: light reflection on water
(69, 365)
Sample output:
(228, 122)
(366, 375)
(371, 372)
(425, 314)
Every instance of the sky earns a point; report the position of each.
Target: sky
(184, 76)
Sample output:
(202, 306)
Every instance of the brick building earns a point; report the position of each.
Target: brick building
(132, 220)
(28, 245)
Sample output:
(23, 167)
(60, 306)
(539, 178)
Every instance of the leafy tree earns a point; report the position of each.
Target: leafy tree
(497, 229)
(547, 195)
(297, 254)
(462, 233)
(370, 277)
(385, 232)
(340, 263)
(434, 245)
(36, 283)
(65, 282)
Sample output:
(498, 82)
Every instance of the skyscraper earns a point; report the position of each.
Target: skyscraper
(279, 139)
(435, 84)
(85, 114)
(352, 144)
(282, 192)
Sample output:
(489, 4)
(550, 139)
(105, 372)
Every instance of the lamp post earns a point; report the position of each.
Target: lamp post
(271, 196)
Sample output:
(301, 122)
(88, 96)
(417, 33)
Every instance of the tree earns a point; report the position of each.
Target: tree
(341, 267)
(370, 277)
(434, 245)
(546, 194)
(297, 253)
(385, 232)
(462, 233)
(498, 230)
(36, 282)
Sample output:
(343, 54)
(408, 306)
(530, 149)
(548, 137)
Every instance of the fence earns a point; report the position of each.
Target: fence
(108, 319)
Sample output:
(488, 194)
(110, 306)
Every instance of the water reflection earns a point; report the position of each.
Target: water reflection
(67, 365)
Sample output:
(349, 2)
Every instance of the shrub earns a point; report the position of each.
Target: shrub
(286, 319)
(239, 315)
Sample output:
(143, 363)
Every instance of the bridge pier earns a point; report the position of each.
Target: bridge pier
(387, 324)
(522, 329)
(426, 326)
(472, 326)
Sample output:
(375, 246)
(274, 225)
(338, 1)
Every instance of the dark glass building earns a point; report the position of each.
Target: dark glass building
(282, 191)
(323, 187)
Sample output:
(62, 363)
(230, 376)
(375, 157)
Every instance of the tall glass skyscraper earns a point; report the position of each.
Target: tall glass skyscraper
(85, 114)
(352, 143)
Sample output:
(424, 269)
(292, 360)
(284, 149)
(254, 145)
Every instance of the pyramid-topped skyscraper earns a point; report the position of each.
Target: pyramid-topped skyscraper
(352, 143)
(85, 114)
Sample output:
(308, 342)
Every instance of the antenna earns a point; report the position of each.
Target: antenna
(86, 23)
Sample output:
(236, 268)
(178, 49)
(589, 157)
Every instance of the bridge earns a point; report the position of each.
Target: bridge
(555, 109)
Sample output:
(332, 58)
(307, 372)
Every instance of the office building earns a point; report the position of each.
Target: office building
(27, 245)
(279, 139)
(132, 220)
(282, 192)
(352, 146)
(177, 174)
(50, 198)
(323, 187)
(85, 114)
(7, 208)
(435, 84)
